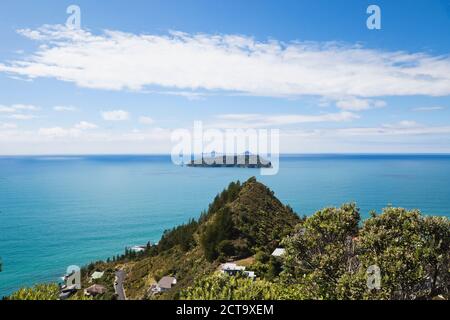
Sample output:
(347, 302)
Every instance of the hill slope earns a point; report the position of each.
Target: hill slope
(260, 217)
(240, 220)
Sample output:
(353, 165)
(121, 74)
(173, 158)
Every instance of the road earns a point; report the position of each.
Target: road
(118, 285)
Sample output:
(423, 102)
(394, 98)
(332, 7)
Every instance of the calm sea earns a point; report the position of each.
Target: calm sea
(61, 211)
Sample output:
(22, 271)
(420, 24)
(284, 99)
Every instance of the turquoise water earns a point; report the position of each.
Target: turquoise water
(60, 211)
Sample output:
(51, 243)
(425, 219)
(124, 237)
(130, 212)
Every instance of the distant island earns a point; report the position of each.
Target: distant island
(246, 160)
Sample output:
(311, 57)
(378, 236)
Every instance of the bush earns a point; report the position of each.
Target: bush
(38, 292)
(223, 287)
(218, 230)
(330, 255)
(226, 248)
(182, 235)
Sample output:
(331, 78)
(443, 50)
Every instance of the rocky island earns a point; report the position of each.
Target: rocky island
(231, 161)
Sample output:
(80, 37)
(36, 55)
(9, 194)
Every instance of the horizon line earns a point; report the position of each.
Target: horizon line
(281, 154)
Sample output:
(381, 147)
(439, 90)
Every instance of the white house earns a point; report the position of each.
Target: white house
(97, 275)
(138, 249)
(166, 283)
(233, 269)
(278, 252)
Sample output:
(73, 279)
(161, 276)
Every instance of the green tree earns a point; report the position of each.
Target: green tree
(223, 287)
(218, 230)
(38, 292)
(320, 250)
(330, 256)
(411, 251)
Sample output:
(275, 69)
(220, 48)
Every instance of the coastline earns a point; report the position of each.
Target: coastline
(175, 250)
(80, 192)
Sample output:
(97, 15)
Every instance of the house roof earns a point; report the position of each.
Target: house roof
(138, 249)
(278, 252)
(97, 275)
(167, 282)
(96, 289)
(231, 267)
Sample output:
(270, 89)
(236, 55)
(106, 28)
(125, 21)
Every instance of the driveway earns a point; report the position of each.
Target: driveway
(118, 285)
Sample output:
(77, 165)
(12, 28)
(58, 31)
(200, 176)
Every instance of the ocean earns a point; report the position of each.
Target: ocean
(61, 211)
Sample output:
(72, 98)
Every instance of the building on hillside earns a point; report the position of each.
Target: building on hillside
(94, 290)
(166, 283)
(231, 269)
(138, 249)
(278, 252)
(97, 275)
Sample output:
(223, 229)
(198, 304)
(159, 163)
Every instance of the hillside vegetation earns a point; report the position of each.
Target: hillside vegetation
(242, 219)
(333, 254)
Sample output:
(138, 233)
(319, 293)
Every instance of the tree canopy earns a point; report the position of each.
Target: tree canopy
(332, 257)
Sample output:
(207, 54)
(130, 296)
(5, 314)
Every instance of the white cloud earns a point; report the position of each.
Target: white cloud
(8, 126)
(384, 138)
(228, 63)
(402, 128)
(116, 115)
(17, 108)
(16, 111)
(424, 109)
(83, 136)
(25, 107)
(23, 117)
(64, 109)
(146, 120)
(355, 104)
(403, 124)
(59, 132)
(5, 109)
(410, 129)
(260, 120)
(190, 95)
(83, 125)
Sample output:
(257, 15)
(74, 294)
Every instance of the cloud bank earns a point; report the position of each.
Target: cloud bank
(115, 115)
(264, 121)
(179, 61)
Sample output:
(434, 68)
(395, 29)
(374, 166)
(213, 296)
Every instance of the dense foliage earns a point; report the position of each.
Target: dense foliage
(221, 234)
(38, 292)
(262, 220)
(242, 219)
(321, 249)
(182, 236)
(332, 257)
(227, 196)
(412, 252)
(223, 287)
(216, 234)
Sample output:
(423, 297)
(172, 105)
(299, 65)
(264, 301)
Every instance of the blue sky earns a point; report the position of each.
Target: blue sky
(140, 69)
